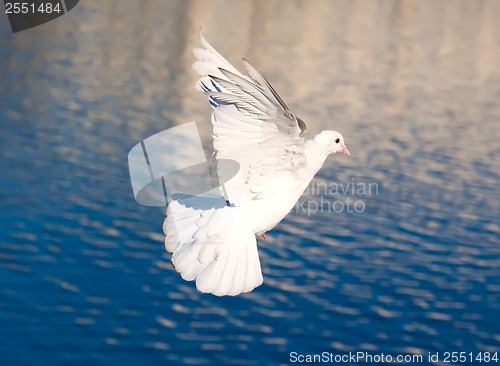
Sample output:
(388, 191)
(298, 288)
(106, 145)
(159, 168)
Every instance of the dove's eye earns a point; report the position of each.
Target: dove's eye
(337, 141)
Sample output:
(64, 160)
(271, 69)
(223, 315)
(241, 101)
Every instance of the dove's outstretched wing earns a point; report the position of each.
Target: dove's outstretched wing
(251, 124)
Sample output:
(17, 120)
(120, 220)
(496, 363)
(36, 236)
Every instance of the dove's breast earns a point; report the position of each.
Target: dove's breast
(264, 214)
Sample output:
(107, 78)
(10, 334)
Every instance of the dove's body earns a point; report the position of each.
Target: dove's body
(266, 213)
(216, 245)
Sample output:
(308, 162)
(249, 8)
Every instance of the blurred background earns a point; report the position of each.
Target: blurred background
(414, 87)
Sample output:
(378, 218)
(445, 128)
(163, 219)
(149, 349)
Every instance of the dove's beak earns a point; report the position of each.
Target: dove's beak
(345, 150)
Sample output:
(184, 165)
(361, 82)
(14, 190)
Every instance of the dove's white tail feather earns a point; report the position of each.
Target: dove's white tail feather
(213, 247)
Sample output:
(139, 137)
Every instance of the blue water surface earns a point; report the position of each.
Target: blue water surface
(411, 268)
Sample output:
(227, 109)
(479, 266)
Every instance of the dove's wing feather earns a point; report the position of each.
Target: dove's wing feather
(208, 61)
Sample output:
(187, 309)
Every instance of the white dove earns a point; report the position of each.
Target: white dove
(216, 245)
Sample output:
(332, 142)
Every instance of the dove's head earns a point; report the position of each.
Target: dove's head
(332, 141)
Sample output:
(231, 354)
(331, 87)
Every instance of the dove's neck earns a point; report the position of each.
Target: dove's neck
(316, 155)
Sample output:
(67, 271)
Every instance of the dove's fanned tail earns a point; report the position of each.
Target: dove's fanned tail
(214, 248)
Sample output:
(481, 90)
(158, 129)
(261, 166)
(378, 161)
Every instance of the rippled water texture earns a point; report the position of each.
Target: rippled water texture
(414, 86)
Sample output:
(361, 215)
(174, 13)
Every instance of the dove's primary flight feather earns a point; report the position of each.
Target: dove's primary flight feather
(216, 246)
